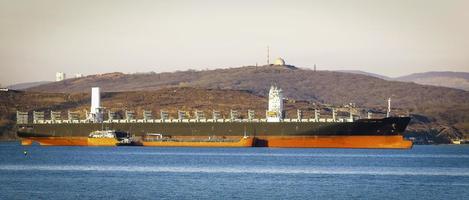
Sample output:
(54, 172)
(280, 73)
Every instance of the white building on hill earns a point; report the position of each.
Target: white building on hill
(59, 76)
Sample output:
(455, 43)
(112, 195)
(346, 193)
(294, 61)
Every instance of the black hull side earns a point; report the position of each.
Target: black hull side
(385, 126)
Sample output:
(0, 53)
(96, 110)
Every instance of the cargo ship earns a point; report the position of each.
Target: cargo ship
(272, 131)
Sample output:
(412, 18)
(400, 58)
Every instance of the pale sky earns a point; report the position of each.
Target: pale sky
(388, 37)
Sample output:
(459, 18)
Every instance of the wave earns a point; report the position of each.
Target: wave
(381, 171)
(294, 155)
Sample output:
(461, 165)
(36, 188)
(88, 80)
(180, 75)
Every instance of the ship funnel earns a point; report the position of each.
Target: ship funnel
(96, 114)
(95, 99)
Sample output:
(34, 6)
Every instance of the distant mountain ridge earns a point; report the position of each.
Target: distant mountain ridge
(464, 75)
(22, 86)
(459, 80)
(366, 73)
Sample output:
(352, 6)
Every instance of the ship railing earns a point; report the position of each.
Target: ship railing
(74, 121)
(215, 120)
(54, 121)
(191, 120)
(301, 120)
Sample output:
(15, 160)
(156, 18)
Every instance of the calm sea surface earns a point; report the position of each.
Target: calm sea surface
(425, 172)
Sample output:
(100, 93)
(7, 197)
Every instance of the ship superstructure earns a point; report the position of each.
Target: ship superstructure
(275, 112)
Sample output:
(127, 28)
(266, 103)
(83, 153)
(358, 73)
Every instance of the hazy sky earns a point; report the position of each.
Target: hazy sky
(393, 37)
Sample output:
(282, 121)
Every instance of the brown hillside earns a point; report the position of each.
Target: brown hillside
(325, 86)
(444, 106)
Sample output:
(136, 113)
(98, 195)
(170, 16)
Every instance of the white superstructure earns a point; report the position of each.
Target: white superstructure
(103, 134)
(275, 111)
(96, 112)
(59, 76)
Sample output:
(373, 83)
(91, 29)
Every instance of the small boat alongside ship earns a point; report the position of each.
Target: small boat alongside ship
(110, 138)
(272, 131)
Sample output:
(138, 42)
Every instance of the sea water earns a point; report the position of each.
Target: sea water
(424, 172)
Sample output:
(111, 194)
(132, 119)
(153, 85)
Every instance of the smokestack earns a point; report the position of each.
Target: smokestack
(95, 100)
(96, 112)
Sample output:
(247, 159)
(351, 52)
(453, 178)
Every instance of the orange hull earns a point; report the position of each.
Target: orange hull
(26, 142)
(365, 142)
(377, 142)
(244, 142)
(57, 141)
(102, 142)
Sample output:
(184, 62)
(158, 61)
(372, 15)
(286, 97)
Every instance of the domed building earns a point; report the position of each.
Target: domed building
(279, 61)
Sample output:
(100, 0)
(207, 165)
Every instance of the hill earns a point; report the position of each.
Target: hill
(366, 73)
(22, 86)
(321, 86)
(442, 106)
(459, 80)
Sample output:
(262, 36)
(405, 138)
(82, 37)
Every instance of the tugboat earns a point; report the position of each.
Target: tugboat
(128, 140)
(102, 138)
